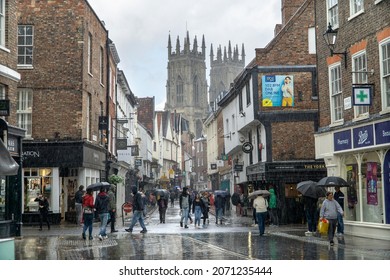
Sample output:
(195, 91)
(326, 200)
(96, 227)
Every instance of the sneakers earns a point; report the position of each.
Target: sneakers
(185, 226)
(308, 233)
(331, 243)
(143, 231)
(100, 237)
(90, 237)
(129, 229)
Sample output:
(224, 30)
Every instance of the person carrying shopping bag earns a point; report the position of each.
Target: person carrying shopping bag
(329, 210)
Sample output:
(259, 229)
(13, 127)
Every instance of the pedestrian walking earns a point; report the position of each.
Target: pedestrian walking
(88, 213)
(185, 204)
(162, 203)
(339, 197)
(197, 209)
(144, 201)
(172, 198)
(273, 207)
(329, 210)
(112, 207)
(102, 209)
(78, 202)
(310, 208)
(261, 204)
(43, 204)
(138, 209)
(219, 204)
(206, 202)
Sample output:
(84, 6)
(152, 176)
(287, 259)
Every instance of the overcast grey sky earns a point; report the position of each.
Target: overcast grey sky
(140, 29)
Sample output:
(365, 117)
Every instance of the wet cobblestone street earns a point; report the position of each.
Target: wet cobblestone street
(236, 239)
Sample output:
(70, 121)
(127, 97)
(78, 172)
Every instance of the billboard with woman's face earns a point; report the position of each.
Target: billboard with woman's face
(277, 90)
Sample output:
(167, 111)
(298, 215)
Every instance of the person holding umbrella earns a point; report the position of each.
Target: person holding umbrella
(261, 205)
(339, 197)
(329, 210)
(310, 208)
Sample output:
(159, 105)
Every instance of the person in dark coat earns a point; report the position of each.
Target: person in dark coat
(138, 209)
(112, 207)
(78, 202)
(43, 211)
(102, 208)
(185, 206)
(219, 204)
(162, 202)
(310, 208)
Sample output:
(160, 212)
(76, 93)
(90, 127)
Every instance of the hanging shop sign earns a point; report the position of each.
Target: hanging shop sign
(247, 147)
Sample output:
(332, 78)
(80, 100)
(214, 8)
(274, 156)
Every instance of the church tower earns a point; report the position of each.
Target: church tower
(224, 69)
(187, 83)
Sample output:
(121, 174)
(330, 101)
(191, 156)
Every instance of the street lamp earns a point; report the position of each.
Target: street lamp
(330, 37)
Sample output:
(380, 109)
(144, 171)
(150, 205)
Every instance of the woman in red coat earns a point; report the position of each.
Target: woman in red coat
(88, 208)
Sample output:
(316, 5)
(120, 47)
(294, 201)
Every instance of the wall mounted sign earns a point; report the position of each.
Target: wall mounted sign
(362, 94)
(247, 147)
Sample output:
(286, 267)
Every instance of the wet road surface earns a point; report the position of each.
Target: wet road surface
(236, 239)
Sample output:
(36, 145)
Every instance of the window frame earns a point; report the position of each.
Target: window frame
(353, 10)
(2, 23)
(340, 108)
(25, 47)
(90, 53)
(24, 110)
(332, 7)
(385, 74)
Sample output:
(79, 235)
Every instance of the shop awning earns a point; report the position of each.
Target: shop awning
(8, 165)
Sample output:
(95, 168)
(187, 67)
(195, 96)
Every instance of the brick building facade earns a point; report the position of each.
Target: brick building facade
(65, 83)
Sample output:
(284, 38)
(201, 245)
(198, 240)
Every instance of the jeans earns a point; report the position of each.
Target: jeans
(103, 223)
(79, 214)
(311, 220)
(137, 217)
(340, 223)
(261, 217)
(184, 215)
(218, 214)
(88, 224)
(198, 214)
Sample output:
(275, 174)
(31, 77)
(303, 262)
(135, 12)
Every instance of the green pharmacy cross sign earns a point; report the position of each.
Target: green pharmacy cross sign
(362, 94)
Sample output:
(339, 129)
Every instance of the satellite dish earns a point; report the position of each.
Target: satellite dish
(242, 139)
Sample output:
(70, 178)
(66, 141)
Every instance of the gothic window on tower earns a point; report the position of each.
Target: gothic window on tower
(179, 91)
(196, 91)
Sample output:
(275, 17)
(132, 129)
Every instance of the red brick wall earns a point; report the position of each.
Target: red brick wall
(59, 78)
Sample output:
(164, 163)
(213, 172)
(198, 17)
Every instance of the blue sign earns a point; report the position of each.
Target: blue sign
(342, 140)
(363, 136)
(382, 132)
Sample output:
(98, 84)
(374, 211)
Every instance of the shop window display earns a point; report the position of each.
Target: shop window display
(36, 181)
(365, 199)
(2, 198)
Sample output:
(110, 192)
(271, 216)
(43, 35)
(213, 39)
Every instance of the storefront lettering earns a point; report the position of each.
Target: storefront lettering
(314, 166)
(33, 154)
(342, 142)
(385, 133)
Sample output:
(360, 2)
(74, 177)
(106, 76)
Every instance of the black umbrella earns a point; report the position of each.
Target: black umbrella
(222, 193)
(311, 189)
(333, 181)
(98, 185)
(161, 192)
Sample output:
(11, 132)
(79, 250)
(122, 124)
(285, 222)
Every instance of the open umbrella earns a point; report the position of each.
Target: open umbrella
(161, 192)
(222, 193)
(258, 192)
(333, 181)
(311, 189)
(98, 185)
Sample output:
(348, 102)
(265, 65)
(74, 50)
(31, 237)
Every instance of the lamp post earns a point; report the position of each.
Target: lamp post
(330, 37)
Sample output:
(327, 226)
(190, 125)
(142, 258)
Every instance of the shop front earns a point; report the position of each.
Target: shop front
(10, 180)
(284, 177)
(57, 169)
(362, 156)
